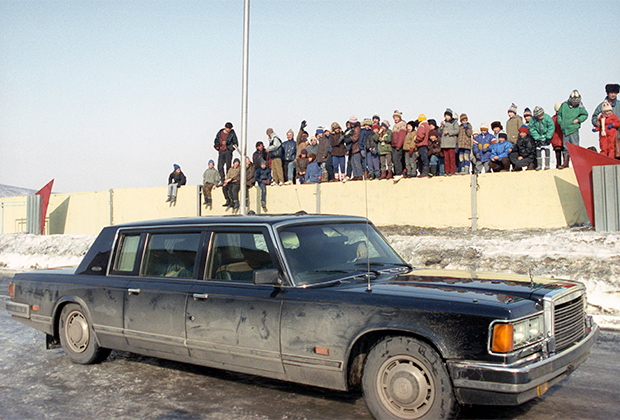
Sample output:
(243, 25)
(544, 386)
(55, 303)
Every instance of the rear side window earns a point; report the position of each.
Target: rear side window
(171, 254)
(126, 257)
(236, 255)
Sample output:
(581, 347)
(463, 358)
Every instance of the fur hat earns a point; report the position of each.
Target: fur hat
(385, 123)
(432, 122)
(335, 125)
(513, 108)
(367, 121)
(484, 126)
(463, 116)
(412, 124)
(397, 112)
(606, 106)
(557, 106)
(575, 98)
(612, 88)
(433, 133)
(421, 117)
(527, 112)
(539, 111)
(497, 124)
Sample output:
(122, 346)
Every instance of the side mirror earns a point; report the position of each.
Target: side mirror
(268, 276)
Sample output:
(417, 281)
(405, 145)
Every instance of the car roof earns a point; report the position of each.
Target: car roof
(272, 219)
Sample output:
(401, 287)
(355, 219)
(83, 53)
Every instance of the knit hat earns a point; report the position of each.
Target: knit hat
(269, 131)
(495, 124)
(376, 116)
(575, 98)
(236, 160)
(385, 123)
(319, 129)
(502, 135)
(352, 120)
(449, 112)
(527, 112)
(524, 129)
(421, 117)
(376, 127)
(367, 121)
(538, 111)
(397, 112)
(433, 132)
(327, 130)
(175, 166)
(211, 162)
(290, 131)
(335, 125)
(262, 162)
(513, 108)
(606, 106)
(304, 152)
(412, 124)
(432, 122)
(313, 138)
(484, 126)
(612, 88)
(463, 116)
(557, 106)
(475, 132)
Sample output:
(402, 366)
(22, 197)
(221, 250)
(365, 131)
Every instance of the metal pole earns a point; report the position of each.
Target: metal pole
(244, 103)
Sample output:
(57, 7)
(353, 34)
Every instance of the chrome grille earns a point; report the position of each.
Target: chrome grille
(569, 324)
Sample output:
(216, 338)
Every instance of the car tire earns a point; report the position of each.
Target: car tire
(77, 337)
(405, 378)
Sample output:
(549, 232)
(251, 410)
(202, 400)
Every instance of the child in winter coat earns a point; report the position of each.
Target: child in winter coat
(434, 151)
(263, 177)
(500, 152)
(481, 148)
(411, 150)
(372, 157)
(450, 132)
(314, 171)
(421, 140)
(608, 129)
(557, 141)
(210, 179)
(523, 154)
(302, 166)
(385, 150)
(541, 129)
(464, 144)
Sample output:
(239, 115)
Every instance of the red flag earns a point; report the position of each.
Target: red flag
(45, 193)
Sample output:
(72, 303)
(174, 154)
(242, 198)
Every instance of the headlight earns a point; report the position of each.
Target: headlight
(511, 336)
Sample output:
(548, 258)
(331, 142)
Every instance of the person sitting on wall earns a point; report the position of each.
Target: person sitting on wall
(175, 180)
(232, 184)
(523, 154)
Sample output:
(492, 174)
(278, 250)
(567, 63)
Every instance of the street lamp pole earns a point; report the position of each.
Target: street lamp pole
(244, 104)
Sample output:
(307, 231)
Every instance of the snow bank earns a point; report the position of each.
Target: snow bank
(573, 253)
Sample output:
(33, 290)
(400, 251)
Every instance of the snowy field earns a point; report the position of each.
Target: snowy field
(574, 253)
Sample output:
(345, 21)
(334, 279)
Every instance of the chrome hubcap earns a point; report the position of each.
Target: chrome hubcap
(76, 332)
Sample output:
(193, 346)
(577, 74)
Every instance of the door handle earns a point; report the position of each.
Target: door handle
(133, 291)
(200, 296)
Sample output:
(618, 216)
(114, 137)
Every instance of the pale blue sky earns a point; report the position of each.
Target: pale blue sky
(109, 94)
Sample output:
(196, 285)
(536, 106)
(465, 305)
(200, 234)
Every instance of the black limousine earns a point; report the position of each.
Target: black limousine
(314, 299)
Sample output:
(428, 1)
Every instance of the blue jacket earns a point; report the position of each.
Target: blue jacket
(482, 146)
(363, 136)
(290, 150)
(501, 149)
(262, 174)
(313, 173)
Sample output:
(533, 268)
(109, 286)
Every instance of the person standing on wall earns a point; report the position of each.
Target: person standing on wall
(225, 142)
(570, 116)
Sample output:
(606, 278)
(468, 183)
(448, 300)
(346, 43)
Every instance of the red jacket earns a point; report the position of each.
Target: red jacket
(609, 140)
(558, 138)
(421, 138)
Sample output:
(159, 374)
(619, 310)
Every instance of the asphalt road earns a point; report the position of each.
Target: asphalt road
(36, 383)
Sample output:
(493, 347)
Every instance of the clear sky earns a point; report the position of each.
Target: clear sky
(110, 94)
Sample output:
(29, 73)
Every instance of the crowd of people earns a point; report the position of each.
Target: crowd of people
(377, 149)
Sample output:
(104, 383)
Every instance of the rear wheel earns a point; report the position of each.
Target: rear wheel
(405, 378)
(77, 337)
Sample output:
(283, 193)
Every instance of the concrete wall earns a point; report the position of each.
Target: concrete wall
(508, 200)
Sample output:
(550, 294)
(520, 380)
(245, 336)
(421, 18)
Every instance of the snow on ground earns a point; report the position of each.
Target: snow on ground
(573, 253)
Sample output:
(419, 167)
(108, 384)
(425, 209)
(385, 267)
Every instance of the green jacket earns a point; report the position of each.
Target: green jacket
(567, 114)
(385, 142)
(542, 130)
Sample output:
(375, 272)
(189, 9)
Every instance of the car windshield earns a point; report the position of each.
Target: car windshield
(319, 253)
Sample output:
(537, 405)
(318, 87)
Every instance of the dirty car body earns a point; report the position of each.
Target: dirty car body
(316, 300)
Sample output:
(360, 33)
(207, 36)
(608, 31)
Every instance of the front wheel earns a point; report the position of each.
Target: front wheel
(77, 337)
(405, 379)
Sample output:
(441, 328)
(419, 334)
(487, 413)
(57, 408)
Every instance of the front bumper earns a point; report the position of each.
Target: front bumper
(492, 384)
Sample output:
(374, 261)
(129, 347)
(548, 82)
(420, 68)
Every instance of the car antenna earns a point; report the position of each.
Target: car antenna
(368, 288)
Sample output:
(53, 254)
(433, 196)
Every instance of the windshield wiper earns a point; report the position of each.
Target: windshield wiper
(328, 271)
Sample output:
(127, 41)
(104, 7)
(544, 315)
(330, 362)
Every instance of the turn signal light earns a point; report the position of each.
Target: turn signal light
(503, 338)
(11, 290)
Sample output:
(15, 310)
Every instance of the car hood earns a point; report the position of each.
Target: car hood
(470, 285)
